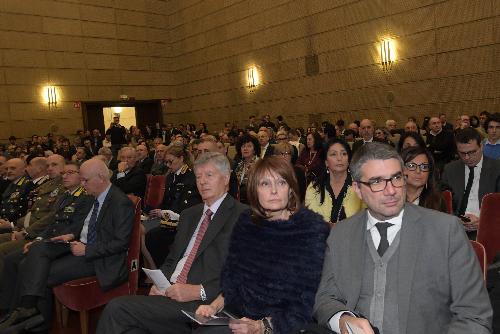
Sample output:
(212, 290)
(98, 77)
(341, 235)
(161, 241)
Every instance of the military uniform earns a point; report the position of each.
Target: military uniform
(66, 216)
(180, 193)
(15, 199)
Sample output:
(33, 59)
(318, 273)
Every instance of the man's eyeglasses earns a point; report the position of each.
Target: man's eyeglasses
(424, 167)
(284, 153)
(168, 162)
(379, 184)
(470, 153)
(69, 172)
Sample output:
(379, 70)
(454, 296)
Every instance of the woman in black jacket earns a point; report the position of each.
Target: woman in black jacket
(275, 257)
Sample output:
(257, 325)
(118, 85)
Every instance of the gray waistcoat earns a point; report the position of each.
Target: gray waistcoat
(378, 299)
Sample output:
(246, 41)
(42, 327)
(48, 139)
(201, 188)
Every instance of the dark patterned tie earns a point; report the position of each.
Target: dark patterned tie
(465, 197)
(384, 243)
(91, 233)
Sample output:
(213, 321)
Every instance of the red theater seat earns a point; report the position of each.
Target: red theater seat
(488, 232)
(481, 255)
(155, 189)
(85, 294)
(448, 199)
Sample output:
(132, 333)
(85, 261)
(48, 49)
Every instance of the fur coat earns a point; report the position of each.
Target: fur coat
(273, 268)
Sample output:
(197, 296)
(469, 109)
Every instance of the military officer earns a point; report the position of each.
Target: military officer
(39, 215)
(15, 198)
(70, 210)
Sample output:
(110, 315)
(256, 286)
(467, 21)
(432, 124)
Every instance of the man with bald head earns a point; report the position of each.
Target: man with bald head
(366, 130)
(15, 198)
(440, 143)
(98, 248)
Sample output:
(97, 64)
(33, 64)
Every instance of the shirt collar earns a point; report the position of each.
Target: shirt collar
(398, 220)
(369, 140)
(215, 206)
(40, 179)
(487, 142)
(102, 196)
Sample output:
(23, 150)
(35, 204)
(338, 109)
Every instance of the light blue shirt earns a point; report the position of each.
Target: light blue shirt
(85, 229)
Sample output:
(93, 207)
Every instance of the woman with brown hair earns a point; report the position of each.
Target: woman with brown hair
(421, 185)
(275, 257)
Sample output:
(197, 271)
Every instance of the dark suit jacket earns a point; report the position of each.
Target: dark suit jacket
(454, 179)
(114, 226)
(269, 151)
(357, 144)
(440, 290)
(146, 164)
(134, 182)
(207, 265)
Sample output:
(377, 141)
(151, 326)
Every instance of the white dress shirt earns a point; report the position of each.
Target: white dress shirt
(473, 202)
(214, 207)
(85, 229)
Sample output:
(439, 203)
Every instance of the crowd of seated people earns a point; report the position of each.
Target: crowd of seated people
(309, 172)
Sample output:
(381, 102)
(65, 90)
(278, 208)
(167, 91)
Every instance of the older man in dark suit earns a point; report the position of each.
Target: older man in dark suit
(99, 248)
(193, 265)
(129, 177)
(398, 267)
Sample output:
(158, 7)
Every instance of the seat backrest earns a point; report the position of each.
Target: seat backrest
(488, 232)
(448, 199)
(155, 189)
(134, 247)
(481, 255)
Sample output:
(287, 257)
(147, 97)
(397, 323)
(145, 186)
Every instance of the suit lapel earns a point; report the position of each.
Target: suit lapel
(460, 179)
(105, 204)
(484, 179)
(218, 221)
(410, 237)
(356, 254)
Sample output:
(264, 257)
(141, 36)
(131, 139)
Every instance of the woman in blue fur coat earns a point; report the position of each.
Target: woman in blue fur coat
(275, 257)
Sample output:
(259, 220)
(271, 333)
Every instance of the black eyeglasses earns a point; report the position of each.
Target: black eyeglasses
(424, 167)
(379, 184)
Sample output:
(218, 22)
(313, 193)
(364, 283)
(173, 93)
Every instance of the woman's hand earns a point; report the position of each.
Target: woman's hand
(247, 326)
(206, 310)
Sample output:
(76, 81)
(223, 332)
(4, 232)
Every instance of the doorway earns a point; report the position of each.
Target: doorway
(138, 113)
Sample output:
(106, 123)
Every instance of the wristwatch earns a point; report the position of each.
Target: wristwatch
(268, 329)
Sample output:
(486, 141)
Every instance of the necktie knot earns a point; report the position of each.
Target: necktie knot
(382, 227)
(208, 213)
(384, 242)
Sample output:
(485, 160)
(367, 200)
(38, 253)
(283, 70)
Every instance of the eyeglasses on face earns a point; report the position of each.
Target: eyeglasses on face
(470, 153)
(424, 167)
(284, 153)
(69, 172)
(379, 184)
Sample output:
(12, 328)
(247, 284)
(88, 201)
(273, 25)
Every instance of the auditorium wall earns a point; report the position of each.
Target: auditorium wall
(196, 53)
(448, 59)
(91, 50)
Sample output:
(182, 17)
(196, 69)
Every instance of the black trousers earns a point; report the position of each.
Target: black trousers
(45, 265)
(158, 241)
(145, 314)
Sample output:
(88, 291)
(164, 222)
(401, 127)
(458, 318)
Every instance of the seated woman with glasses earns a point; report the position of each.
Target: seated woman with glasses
(331, 194)
(180, 193)
(421, 184)
(275, 257)
(287, 152)
(247, 153)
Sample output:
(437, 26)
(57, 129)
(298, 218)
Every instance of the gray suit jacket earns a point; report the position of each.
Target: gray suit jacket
(454, 179)
(440, 290)
(207, 265)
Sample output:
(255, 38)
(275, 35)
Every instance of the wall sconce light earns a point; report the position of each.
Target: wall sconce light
(387, 54)
(51, 96)
(252, 78)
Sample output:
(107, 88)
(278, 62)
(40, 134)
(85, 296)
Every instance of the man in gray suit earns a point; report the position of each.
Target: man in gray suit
(470, 178)
(194, 264)
(396, 267)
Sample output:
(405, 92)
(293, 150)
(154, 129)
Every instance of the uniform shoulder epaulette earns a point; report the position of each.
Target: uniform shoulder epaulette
(79, 191)
(184, 169)
(22, 181)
